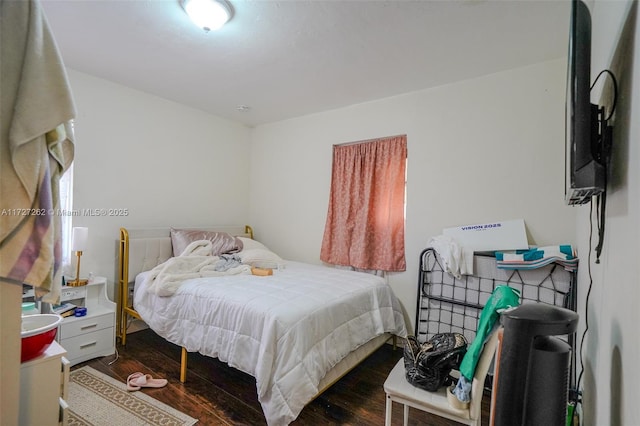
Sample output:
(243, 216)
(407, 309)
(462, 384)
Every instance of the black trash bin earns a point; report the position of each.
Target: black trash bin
(533, 370)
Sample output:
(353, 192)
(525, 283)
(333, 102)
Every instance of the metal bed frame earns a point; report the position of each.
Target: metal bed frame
(449, 304)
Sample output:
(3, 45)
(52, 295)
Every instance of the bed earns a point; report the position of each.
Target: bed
(297, 331)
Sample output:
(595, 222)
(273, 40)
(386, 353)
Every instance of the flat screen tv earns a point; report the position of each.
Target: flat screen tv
(584, 166)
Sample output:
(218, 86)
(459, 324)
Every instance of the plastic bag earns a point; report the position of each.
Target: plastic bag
(428, 365)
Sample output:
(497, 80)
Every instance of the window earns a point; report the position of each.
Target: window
(365, 219)
(66, 218)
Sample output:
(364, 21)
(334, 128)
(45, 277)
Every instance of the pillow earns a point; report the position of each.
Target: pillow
(248, 243)
(222, 241)
(261, 258)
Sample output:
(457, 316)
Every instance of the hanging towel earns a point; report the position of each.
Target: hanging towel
(36, 148)
(457, 260)
(502, 298)
(538, 257)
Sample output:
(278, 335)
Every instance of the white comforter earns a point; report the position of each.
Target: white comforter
(287, 330)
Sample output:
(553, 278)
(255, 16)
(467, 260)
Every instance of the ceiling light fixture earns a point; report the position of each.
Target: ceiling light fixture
(208, 14)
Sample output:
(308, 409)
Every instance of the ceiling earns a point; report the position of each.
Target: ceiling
(285, 59)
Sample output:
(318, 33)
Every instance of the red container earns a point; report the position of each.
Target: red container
(38, 331)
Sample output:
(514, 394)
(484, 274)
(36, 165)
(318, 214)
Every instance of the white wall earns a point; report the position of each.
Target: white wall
(490, 148)
(167, 164)
(612, 347)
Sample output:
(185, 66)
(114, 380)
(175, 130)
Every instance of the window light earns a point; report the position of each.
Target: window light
(208, 14)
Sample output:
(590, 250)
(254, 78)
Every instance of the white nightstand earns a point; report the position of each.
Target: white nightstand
(92, 335)
(43, 388)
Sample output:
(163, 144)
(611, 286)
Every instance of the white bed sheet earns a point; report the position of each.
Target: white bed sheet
(286, 330)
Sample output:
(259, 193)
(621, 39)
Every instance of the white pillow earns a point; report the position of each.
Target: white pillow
(248, 243)
(261, 258)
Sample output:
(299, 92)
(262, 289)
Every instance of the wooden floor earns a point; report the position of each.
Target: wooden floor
(216, 394)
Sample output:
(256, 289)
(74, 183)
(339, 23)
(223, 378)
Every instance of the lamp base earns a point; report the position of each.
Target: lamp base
(76, 283)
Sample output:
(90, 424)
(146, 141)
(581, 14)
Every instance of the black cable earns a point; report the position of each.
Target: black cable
(605, 148)
(615, 90)
(586, 315)
(602, 202)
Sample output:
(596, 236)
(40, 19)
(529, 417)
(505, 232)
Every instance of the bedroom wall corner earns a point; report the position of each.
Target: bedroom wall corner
(144, 161)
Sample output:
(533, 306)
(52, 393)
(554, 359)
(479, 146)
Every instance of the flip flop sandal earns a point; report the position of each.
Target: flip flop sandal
(130, 381)
(138, 380)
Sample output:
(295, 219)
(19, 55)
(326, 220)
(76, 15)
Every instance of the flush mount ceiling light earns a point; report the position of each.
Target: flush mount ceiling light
(208, 14)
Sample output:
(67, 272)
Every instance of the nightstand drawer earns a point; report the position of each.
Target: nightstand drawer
(89, 343)
(76, 326)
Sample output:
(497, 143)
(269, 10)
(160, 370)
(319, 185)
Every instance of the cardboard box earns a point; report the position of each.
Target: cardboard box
(491, 236)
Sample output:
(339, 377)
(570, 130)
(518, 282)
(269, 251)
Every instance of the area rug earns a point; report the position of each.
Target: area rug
(99, 400)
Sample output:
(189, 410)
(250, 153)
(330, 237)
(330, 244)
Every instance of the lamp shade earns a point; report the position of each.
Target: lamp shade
(79, 238)
(208, 14)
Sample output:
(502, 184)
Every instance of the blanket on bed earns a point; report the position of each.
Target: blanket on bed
(287, 330)
(195, 261)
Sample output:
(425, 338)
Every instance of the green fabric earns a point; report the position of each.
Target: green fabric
(503, 297)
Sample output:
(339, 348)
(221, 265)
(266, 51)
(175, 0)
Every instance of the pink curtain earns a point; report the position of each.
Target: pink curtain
(365, 220)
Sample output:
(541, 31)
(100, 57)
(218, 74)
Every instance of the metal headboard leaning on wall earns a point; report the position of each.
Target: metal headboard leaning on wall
(141, 250)
(448, 304)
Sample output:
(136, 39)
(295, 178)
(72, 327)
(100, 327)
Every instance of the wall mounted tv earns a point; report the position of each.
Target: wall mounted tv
(585, 168)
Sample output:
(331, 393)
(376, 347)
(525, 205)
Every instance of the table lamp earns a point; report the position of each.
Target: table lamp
(78, 244)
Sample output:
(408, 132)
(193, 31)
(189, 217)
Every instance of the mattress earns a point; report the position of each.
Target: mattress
(287, 330)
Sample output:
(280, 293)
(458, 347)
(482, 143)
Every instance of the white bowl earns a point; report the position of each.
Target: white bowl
(39, 323)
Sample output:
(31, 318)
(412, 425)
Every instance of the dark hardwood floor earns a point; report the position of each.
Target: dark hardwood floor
(216, 394)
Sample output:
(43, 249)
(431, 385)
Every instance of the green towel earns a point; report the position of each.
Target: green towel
(503, 297)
